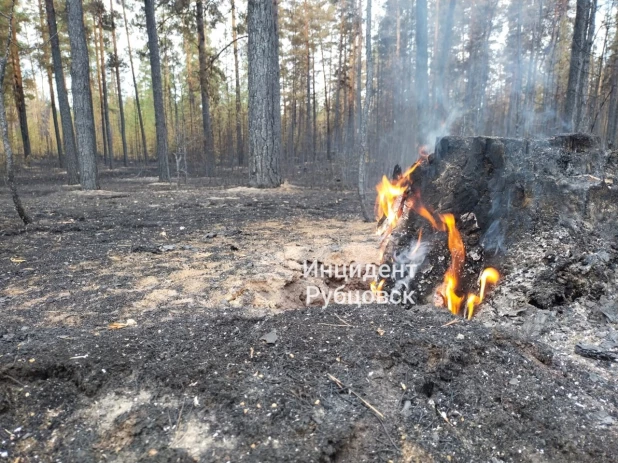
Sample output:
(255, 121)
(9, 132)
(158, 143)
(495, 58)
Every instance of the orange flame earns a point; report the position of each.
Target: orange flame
(376, 287)
(489, 275)
(388, 212)
(451, 277)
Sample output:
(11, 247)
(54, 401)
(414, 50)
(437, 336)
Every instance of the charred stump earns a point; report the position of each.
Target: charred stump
(502, 193)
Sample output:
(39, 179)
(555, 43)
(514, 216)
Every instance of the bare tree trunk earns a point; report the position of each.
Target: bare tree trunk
(50, 84)
(97, 69)
(82, 98)
(8, 152)
(422, 86)
(441, 90)
(514, 115)
(157, 91)
(594, 99)
(68, 137)
(240, 146)
(338, 124)
(576, 64)
(123, 133)
(582, 84)
(137, 103)
(264, 94)
(18, 91)
(364, 138)
(108, 128)
(326, 105)
(209, 146)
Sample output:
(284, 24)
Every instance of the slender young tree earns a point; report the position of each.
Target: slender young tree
(264, 94)
(422, 69)
(240, 146)
(209, 146)
(137, 101)
(364, 135)
(116, 66)
(157, 91)
(50, 83)
(4, 132)
(18, 91)
(576, 64)
(108, 127)
(82, 97)
(68, 136)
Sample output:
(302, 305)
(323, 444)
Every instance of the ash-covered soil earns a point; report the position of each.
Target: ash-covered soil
(192, 379)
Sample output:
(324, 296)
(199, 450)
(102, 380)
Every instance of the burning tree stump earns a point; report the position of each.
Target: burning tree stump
(502, 193)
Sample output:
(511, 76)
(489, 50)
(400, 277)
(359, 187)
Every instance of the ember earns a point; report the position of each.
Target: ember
(393, 200)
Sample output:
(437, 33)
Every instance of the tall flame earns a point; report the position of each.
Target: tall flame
(389, 209)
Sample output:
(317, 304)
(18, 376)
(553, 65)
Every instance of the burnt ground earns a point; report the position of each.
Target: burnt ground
(203, 274)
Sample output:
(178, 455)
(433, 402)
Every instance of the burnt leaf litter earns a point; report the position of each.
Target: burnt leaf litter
(235, 385)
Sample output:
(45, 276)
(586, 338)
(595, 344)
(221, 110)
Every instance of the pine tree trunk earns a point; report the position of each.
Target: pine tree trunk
(441, 89)
(123, 133)
(4, 133)
(240, 146)
(576, 64)
(326, 106)
(364, 138)
(82, 98)
(97, 68)
(18, 91)
(582, 86)
(68, 137)
(157, 90)
(50, 84)
(137, 102)
(264, 94)
(209, 146)
(422, 78)
(339, 74)
(108, 127)
(594, 99)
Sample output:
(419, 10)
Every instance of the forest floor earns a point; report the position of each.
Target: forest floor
(133, 322)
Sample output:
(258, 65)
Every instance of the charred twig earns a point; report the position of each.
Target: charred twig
(15, 381)
(355, 394)
(342, 320)
(375, 411)
(452, 322)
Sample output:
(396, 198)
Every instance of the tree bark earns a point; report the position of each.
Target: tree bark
(264, 94)
(137, 102)
(4, 133)
(50, 84)
(209, 145)
(576, 64)
(422, 78)
(68, 136)
(240, 146)
(326, 105)
(441, 90)
(18, 91)
(582, 85)
(108, 126)
(82, 98)
(123, 133)
(157, 91)
(364, 138)
(97, 67)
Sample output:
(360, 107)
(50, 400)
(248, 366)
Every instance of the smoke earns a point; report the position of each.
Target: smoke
(407, 263)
